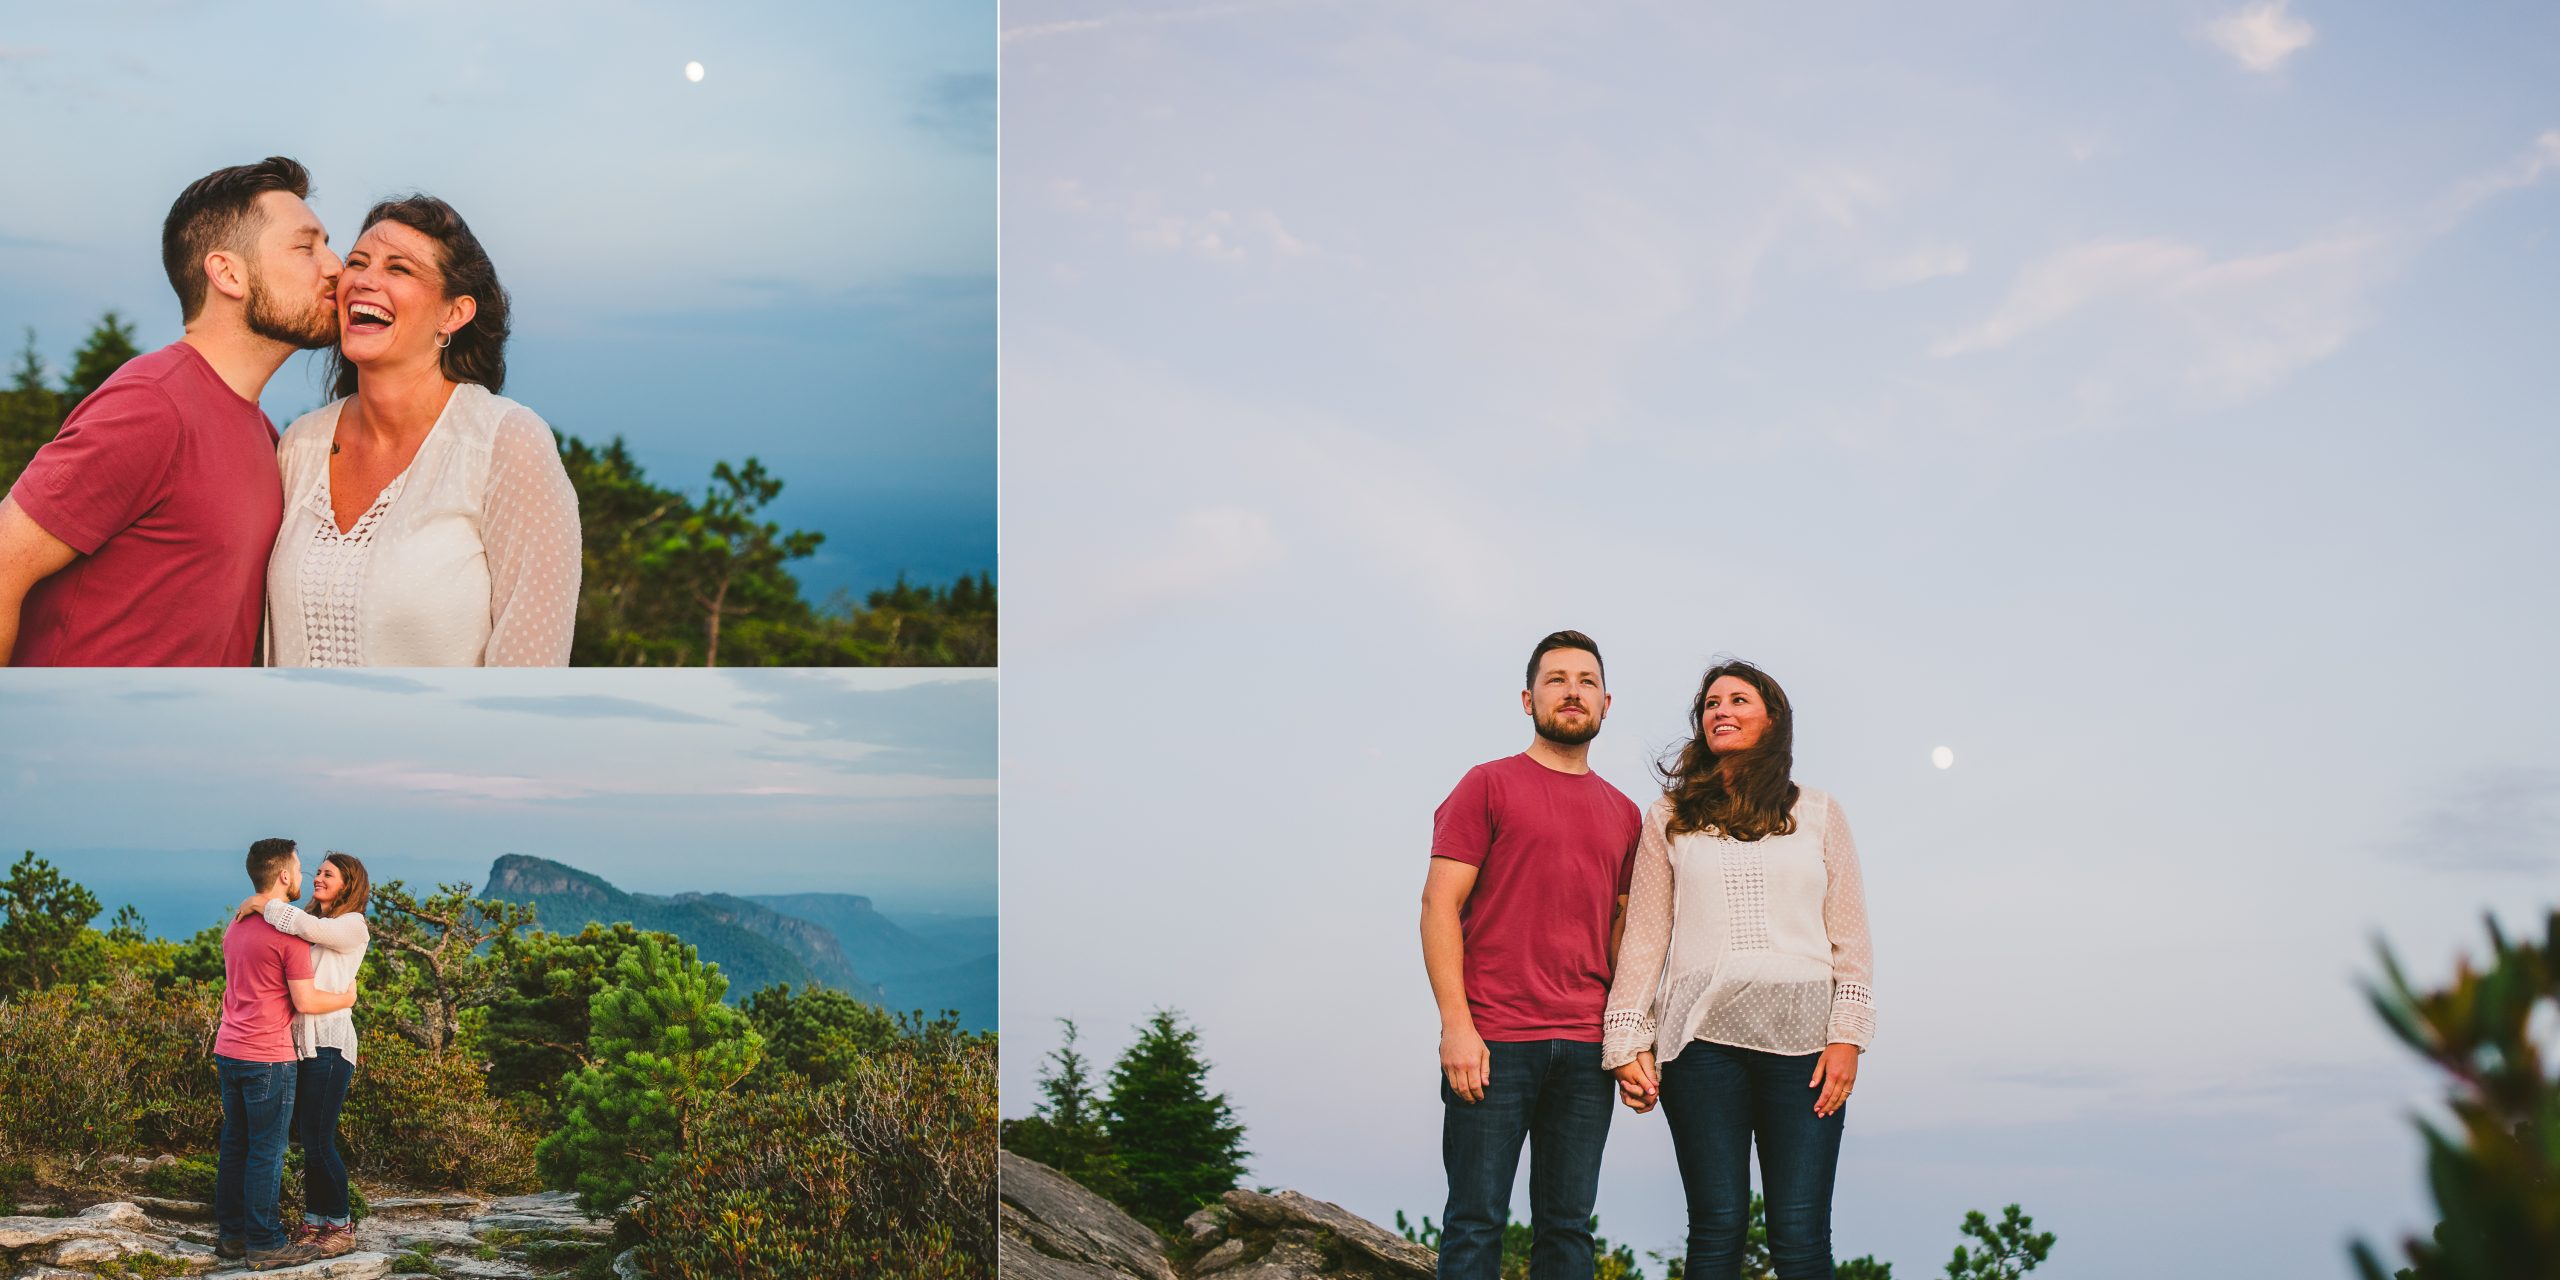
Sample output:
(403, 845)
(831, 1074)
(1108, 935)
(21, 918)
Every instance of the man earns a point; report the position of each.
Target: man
(267, 975)
(139, 535)
(1529, 863)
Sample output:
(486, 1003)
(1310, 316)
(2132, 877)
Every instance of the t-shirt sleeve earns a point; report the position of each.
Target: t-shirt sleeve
(297, 959)
(109, 466)
(1462, 827)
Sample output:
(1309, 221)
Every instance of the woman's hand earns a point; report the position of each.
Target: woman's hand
(1834, 1075)
(253, 905)
(1640, 1083)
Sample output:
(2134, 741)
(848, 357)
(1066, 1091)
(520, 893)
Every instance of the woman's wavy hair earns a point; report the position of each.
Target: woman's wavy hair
(353, 894)
(478, 352)
(1743, 795)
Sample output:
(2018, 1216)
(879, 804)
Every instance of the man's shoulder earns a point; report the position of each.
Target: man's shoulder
(139, 387)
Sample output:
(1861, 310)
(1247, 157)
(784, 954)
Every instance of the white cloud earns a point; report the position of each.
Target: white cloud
(2262, 36)
(1929, 262)
(2539, 161)
(1219, 235)
(2073, 279)
(1206, 549)
(1197, 13)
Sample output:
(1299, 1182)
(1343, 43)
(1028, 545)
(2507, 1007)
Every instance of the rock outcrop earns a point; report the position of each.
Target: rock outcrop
(1054, 1229)
(541, 1237)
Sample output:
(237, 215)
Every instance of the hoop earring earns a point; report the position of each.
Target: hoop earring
(444, 340)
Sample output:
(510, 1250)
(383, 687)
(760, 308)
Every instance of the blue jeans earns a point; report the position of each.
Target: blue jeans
(319, 1093)
(1718, 1099)
(1553, 1094)
(257, 1117)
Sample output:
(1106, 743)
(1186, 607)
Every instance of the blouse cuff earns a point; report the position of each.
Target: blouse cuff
(1853, 1015)
(1624, 1034)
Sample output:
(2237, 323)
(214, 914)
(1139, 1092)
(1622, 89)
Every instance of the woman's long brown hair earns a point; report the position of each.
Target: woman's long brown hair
(1743, 795)
(355, 888)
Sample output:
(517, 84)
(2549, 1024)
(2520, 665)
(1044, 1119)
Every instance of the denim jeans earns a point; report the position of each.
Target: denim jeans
(317, 1096)
(1719, 1099)
(1553, 1094)
(257, 1117)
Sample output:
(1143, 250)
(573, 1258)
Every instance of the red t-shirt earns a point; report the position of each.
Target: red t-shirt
(1552, 852)
(257, 1010)
(165, 481)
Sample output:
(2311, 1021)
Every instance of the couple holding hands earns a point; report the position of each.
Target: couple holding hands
(1709, 955)
(417, 519)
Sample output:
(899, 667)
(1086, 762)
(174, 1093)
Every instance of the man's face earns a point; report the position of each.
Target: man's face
(293, 881)
(1567, 703)
(293, 275)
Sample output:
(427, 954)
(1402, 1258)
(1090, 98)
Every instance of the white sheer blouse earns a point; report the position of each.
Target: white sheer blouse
(469, 558)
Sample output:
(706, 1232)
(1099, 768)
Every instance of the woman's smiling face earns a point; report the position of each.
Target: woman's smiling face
(325, 884)
(391, 299)
(1734, 718)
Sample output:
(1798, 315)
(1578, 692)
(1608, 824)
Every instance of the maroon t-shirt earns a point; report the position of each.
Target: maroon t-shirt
(165, 481)
(1552, 852)
(257, 1009)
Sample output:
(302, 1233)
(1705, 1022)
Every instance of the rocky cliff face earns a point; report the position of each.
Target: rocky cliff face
(1054, 1229)
(540, 1237)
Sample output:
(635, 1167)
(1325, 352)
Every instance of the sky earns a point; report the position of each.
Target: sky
(2150, 403)
(867, 782)
(792, 258)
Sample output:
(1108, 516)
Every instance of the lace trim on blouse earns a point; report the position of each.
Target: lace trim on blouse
(332, 580)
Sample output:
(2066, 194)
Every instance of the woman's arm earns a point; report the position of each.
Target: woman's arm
(1627, 1028)
(529, 524)
(1844, 918)
(337, 933)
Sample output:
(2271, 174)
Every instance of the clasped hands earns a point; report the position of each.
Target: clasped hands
(1834, 1075)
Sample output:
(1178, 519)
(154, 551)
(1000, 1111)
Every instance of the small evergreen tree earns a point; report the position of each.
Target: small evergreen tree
(820, 1035)
(1179, 1142)
(662, 1043)
(1066, 1130)
(2007, 1250)
(44, 919)
(431, 960)
(108, 347)
(536, 1030)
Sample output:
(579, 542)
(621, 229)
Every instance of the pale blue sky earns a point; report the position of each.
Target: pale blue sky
(868, 782)
(2151, 403)
(793, 258)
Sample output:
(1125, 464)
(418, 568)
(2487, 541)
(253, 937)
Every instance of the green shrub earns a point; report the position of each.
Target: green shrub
(112, 1067)
(191, 1178)
(890, 1173)
(425, 1118)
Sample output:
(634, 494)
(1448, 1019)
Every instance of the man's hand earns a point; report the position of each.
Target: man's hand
(1640, 1083)
(1466, 1062)
(1835, 1075)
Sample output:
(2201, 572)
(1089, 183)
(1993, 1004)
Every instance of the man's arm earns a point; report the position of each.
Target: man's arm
(28, 555)
(308, 998)
(1617, 931)
(1463, 1057)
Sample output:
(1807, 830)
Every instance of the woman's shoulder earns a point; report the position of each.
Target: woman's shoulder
(312, 431)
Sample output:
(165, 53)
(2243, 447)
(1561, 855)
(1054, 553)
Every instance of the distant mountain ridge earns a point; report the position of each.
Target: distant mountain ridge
(754, 945)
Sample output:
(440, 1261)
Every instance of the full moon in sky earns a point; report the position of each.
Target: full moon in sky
(693, 72)
(1943, 757)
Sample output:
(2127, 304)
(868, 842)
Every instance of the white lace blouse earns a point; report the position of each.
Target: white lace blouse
(338, 945)
(469, 558)
(1760, 944)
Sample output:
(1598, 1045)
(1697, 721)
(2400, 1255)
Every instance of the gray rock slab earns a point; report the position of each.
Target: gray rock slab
(1289, 1258)
(95, 1222)
(554, 1212)
(1220, 1258)
(91, 1251)
(394, 1235)
(1053, 1229)
(1204, 1225)
(350, 1266)
(1289, 1209)
(412, 1206)
(493, 1269)
(191, 1210)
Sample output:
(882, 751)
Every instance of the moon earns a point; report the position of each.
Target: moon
(693, 72)
(1943, 757)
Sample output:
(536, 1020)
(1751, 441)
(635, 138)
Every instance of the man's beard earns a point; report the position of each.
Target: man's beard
(1553, 729)
(314, 328)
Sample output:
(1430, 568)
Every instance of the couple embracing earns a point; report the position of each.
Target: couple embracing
(286, 1054)
(1709, 955)
(418, 519)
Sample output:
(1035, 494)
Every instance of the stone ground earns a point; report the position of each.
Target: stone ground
(537, 1237)
(1053, 1229)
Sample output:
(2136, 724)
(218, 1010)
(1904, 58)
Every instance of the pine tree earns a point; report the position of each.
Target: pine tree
(1179, 1142)
(2004, 1251)
(108, 347)
(662, 1042)
(1066, 1131)
(43, 919)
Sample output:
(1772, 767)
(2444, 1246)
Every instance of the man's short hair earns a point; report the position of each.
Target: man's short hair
(1565, 640)
(267, 859)
(220, 211)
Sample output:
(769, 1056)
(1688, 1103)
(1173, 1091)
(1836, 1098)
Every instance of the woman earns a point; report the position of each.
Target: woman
(428, 521)
(1741, 999)
(325, 1044)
